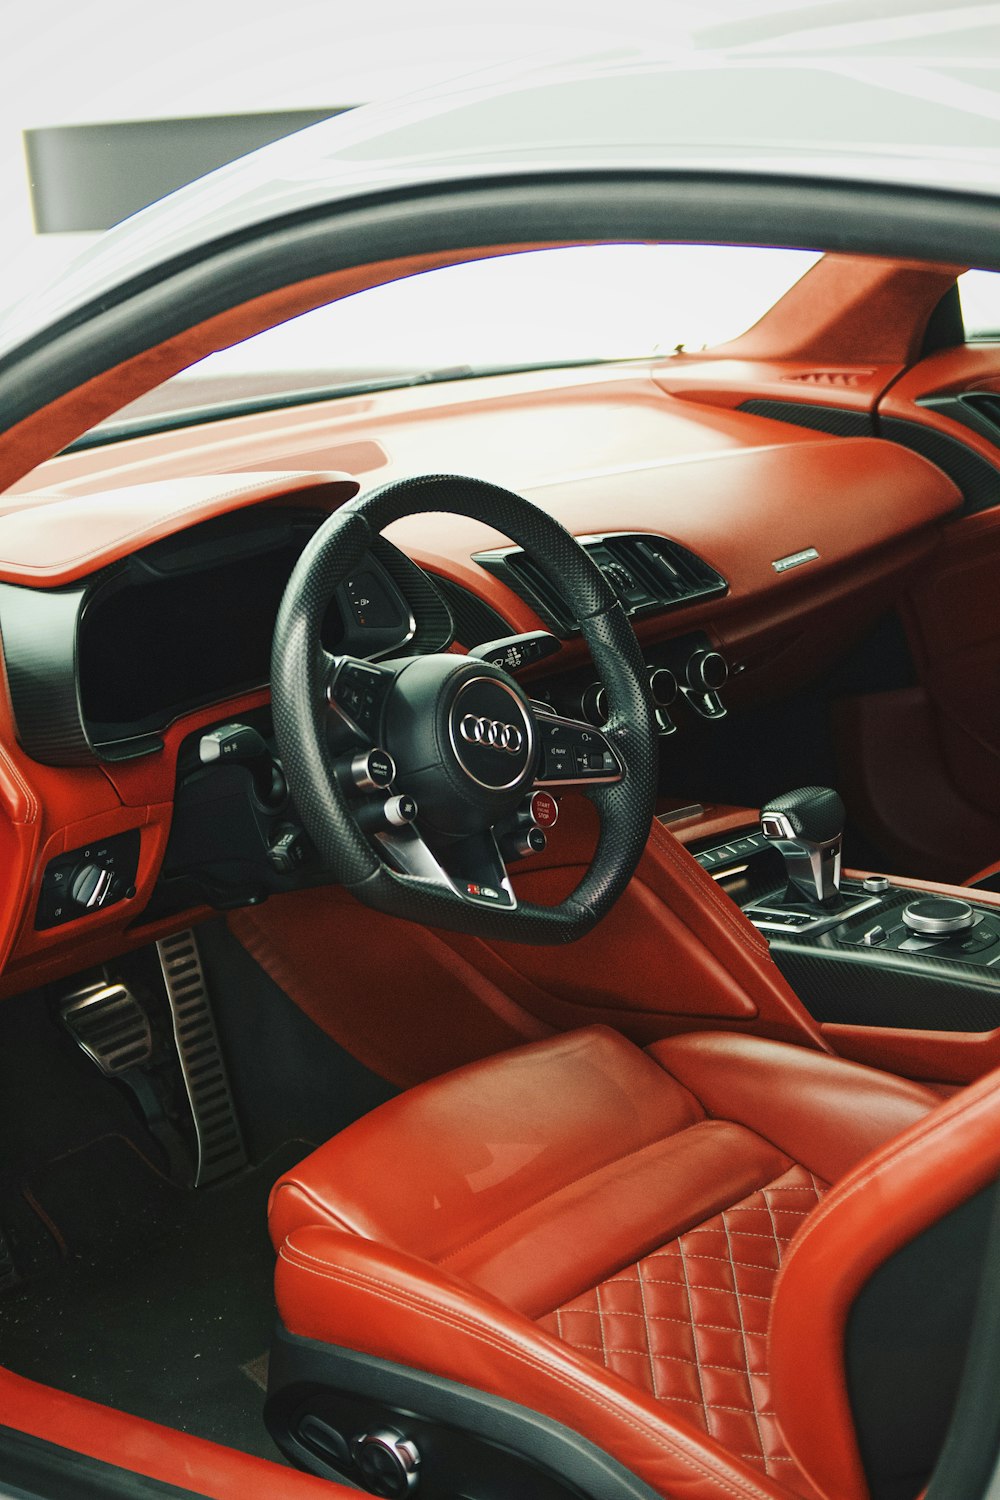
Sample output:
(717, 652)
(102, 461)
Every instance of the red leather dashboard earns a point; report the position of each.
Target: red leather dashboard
(604, 449)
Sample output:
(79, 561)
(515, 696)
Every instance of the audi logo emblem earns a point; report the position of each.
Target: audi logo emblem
(491, 734)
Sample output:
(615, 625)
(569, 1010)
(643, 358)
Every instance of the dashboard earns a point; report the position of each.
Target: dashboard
(137, 619)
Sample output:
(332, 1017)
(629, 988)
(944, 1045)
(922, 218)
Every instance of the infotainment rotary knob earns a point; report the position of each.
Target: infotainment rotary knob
(937, 916)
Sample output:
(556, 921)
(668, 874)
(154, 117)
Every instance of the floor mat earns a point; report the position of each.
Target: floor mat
(162, 1302)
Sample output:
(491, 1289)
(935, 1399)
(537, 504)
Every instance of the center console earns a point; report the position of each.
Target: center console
(859, 951)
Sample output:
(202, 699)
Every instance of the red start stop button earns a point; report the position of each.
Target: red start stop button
(544, 809)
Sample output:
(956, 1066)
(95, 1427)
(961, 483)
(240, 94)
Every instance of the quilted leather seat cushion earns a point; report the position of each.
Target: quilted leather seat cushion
(688, 1323)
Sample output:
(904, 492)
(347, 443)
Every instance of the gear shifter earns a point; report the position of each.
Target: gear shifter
(806, 827)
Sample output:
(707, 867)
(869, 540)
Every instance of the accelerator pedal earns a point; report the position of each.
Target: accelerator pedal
(220, 1142)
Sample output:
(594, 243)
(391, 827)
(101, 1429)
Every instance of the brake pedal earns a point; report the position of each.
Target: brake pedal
(111, 1027)
(107, 1023)
(217, 1130)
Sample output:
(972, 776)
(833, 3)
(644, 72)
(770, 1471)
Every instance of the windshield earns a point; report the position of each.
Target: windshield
(980, 295)
(565, 306)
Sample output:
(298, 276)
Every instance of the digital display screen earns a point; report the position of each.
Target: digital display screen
(153, 648)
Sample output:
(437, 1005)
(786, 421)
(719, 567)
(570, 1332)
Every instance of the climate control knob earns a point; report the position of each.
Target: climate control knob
(707, 671)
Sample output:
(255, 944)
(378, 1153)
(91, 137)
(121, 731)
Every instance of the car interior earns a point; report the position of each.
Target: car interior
(501, 916)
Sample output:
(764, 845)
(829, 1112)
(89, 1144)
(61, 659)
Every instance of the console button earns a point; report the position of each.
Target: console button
(875, 884)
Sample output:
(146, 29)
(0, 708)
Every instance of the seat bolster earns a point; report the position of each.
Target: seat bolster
(336, 1288)
(821, 1111)
(887, 1201)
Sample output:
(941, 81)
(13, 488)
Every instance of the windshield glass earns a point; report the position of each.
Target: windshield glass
(572, 305)
(980, 294)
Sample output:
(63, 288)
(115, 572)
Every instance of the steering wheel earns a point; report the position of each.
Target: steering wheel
(466, 745)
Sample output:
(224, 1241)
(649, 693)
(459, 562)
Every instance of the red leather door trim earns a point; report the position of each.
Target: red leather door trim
(159, 1452)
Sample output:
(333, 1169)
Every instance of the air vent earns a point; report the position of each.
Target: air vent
(978, 410)
(648, 573)
(845, 379)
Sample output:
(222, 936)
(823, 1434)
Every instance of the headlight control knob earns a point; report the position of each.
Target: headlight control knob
(90, 885)
(707, 671)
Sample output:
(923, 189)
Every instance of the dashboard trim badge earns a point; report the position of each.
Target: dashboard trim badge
(795, 559)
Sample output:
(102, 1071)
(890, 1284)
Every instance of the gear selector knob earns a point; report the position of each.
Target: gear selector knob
(806, 827)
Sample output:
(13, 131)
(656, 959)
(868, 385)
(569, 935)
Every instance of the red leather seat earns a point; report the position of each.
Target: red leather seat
(596, 1232)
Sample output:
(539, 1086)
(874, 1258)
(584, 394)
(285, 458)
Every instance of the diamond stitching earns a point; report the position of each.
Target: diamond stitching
(700, 1343)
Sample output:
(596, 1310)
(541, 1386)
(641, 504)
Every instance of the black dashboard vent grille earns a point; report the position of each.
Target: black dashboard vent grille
(648, 573)
(475, 622)
(525, 577)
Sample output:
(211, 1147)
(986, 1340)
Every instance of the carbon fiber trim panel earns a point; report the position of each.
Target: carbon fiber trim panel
(978, 480)
(835, 420)
(866, 990)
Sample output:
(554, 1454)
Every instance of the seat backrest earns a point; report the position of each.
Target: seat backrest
(876, 1300)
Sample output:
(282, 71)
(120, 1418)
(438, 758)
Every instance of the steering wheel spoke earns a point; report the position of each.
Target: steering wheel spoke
(472, 868)
(574, 753)
(356, 691)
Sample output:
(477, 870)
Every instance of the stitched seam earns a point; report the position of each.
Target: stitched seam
(694, 1339)
(673, 1358)
(16, 776)
(600, 1325)
(746, 1354)
(415, 1302)
(894, 1155)
(678, 858)
(645, 1318)
(727, 1260)
(662, 1317)
(746, 1234)
(528, 1208)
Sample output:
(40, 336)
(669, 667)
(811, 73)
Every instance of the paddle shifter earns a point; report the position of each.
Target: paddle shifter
(806, 827)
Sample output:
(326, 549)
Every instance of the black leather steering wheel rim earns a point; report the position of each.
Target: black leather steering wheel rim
(299, 668)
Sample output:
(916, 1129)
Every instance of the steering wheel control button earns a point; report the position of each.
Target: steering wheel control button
(85, 881)
(357, 692)
(491, 732)
(876, 885)
(572, 752)
(938, 916)
(394, 812)
(368, 771)
(388, 1463)
(543, 809)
